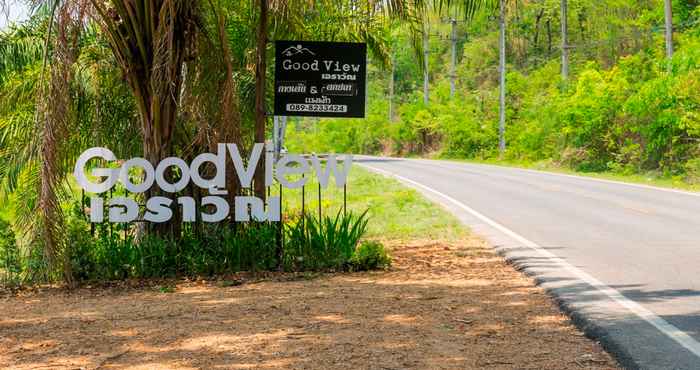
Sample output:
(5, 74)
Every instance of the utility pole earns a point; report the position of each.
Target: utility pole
(564, 41)
(502, 70)
(278, 133)
(453, 69)
(668, 10)
(391, 88)
(426, 54)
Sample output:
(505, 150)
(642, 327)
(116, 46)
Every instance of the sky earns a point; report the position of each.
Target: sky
(13, 11)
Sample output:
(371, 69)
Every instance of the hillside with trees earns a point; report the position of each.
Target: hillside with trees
(623, 106)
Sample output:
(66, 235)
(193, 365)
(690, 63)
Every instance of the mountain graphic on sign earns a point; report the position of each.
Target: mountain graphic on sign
(295, 50)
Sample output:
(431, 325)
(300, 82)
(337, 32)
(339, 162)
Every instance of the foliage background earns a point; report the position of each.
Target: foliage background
(621, 111)
(146, 78)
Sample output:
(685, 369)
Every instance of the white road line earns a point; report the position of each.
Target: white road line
(548, 173)
(662, 325)
(595, 179)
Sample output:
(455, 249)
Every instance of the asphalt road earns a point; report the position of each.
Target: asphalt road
(623, 260)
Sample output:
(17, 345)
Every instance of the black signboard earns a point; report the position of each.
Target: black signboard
(320, 79)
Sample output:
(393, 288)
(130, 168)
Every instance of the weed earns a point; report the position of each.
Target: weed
(325, 244)
(165, 289)
(370, 255)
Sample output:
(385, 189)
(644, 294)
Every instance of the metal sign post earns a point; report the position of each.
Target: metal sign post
(318, 79)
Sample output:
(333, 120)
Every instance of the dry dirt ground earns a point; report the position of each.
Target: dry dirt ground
(441, 306)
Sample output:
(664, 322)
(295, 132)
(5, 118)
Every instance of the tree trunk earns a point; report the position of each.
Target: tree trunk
(260, 80)
(230, 119)
(158, 124)
(668, 11)
(453, 61)
(549, 36)
(536, 39)
(502, 71)
(157, 145)
(564, 41)
(54, 110)
(582, 26)
(426, 62)
(391, 87)
(151, 55)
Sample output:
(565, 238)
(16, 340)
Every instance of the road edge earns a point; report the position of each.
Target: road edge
(579, 317)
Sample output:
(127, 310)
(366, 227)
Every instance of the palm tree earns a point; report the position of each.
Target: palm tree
(150, 40)
(41, 123)
(170, 53)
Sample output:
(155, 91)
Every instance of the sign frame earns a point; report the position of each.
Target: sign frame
(320, 79)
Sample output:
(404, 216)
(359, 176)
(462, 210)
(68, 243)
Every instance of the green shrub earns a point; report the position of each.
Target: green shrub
(81, 249)
(326, 244)
(103, 252)
(10, 267)
(212, 249)
(312, 245)
(370, 255)
(692, 171)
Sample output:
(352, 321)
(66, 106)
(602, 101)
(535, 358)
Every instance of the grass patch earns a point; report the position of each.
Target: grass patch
(395, 211)
(165, 289)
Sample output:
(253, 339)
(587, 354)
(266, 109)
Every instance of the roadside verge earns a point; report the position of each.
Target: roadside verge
(637, 337)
